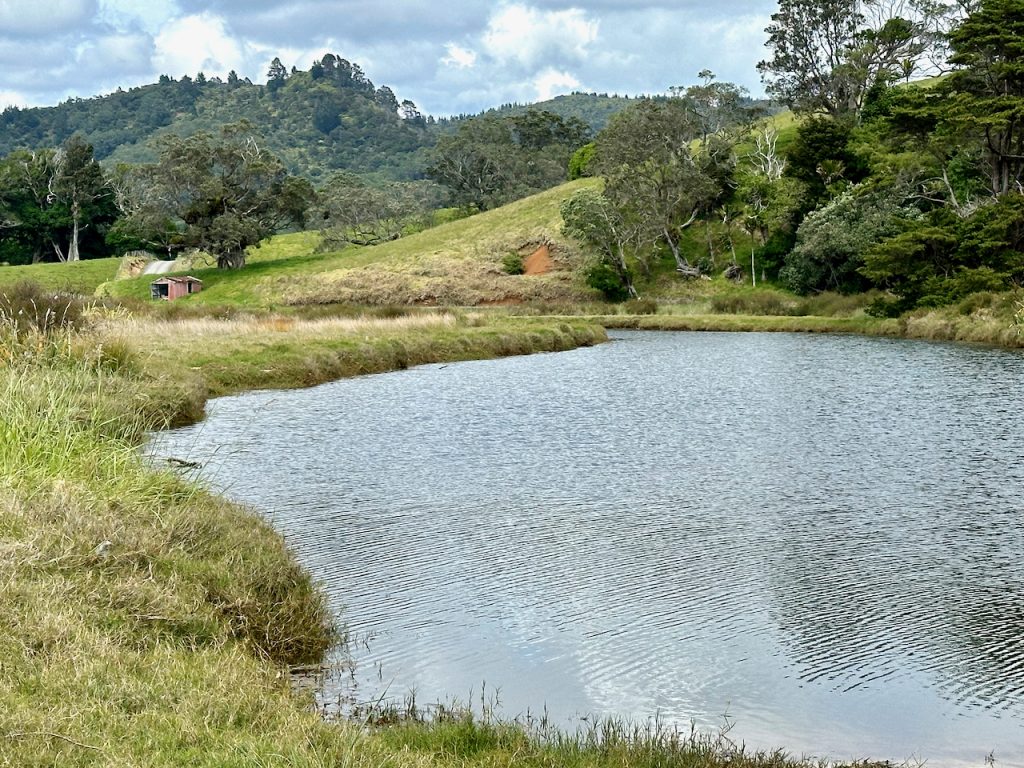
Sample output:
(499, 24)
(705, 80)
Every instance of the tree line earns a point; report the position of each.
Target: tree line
(225, 192)
(916, 189)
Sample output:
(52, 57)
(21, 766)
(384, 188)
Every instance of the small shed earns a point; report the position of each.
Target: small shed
(171, 288)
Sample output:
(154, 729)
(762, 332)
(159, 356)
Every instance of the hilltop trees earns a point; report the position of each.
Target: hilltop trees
(827, 54)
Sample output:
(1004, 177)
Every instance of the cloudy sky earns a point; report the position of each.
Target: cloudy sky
(459, 56)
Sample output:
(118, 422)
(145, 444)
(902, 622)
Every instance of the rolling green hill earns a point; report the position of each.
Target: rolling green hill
(316, 121)
(458, 263)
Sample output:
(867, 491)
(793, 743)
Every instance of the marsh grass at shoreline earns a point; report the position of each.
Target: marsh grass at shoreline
(145, 621)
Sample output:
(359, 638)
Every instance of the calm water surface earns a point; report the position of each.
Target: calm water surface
(818, 536)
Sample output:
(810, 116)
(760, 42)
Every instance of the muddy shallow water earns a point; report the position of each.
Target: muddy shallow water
(820, 538)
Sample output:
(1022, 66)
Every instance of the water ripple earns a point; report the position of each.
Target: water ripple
(820, 536)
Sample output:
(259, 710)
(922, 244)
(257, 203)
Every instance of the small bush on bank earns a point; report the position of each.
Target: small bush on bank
(640, 307)
(513, 264)
(605, 279)
(757, 301)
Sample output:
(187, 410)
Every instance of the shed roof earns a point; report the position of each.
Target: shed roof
(183, 279)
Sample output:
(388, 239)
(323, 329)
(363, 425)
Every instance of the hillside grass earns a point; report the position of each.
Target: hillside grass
(458, 263)
(82, 277)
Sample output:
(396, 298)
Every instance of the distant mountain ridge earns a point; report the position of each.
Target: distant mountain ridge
(328, 118)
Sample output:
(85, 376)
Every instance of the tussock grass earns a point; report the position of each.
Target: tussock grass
(755, 323)
(142, 620)
(192, 360)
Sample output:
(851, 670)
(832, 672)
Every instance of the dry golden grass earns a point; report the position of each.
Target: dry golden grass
(149, 331)
(456, 264)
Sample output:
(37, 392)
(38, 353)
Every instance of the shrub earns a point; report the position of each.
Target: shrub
(885, 306)
(28, 306)
(641, 307)
(939, 291)
(975, 302)
(513, 263)
(605, 279)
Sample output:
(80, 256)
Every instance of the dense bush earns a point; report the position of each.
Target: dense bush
(28, 306)
(832, 240)
(513, 264)
(604, 278)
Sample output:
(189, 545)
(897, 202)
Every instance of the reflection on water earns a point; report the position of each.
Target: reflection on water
(819, 536)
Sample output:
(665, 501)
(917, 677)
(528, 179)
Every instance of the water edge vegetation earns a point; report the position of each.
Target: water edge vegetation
(147, 621)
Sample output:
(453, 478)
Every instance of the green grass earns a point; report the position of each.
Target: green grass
(456, 263)
(144, 621)
(78, 277)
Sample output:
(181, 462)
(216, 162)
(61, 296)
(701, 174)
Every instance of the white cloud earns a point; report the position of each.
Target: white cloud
(150, 15)
(198, 42)
(550, 83)
(13, 99)
(32, 17)
(119, 54)
(528, 36)
(459, 57)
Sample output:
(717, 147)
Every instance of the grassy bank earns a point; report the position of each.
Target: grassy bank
(144, 621)
(1002, 329)
(190, 361)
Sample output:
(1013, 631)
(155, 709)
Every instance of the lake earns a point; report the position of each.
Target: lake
(818, 539)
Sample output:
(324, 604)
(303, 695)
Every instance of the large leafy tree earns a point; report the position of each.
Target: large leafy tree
(54, 204)
(653, 174)
(221, 194)
(613, 234)
(827, 54)
(490, 161)
(985, 95)
(79, 193)
(354, 210)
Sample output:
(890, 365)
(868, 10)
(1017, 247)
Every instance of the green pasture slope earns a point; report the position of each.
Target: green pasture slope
(78, 277)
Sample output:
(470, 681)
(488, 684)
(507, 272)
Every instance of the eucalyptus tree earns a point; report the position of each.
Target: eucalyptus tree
(653, 175)
(221, 194)
(614, 234)
(78, 191)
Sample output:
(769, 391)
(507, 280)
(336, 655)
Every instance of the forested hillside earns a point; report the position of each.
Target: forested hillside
(318, 121)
